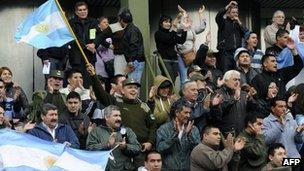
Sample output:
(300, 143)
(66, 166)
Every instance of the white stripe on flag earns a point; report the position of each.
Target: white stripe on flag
(69, 162)
(52, 22)
(15, 156)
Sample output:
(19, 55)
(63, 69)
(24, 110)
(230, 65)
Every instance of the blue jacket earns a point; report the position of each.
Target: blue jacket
(63, 133)
(286, 134)
(175, 152)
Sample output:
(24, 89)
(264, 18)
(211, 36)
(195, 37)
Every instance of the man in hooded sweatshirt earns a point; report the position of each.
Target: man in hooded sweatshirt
(161, 97)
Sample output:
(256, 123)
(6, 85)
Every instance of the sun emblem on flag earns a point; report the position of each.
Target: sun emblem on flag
(42, 28)
(50, 161)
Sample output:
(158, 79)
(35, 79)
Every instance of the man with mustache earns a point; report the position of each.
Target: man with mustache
(176, 139)
(50, 130)
(134, 113)
(113, 135)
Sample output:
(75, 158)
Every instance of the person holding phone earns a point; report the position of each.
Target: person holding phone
(254, 152)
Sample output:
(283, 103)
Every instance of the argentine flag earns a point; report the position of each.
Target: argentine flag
(44, 28)
(22, 152)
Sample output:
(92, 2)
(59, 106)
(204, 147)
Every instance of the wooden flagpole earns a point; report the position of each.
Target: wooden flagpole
(72, 32)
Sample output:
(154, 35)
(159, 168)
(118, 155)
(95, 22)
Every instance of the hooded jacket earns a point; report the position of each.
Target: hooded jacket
(161, 106)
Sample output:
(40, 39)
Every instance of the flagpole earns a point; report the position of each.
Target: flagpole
(71, 30)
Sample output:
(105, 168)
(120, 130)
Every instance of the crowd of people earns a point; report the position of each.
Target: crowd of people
(233, 111)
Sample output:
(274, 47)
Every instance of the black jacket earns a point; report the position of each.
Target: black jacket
(70, 119)
(59, 53)
(166, 42)
(230, 33)
(233, 112)
(261, 81)
(82, 29)
(133, 45)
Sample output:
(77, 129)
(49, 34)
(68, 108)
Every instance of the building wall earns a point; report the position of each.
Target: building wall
(20, 58)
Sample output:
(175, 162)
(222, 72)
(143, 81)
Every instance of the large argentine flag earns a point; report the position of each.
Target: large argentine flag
(44, 28)
(20, 151)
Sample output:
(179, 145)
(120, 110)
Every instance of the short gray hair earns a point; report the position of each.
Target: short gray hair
(229, 74)
(46, 107)
(109, 109)
(187, 84)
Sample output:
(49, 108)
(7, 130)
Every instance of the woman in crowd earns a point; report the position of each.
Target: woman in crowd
(166, 38)
(15, 92)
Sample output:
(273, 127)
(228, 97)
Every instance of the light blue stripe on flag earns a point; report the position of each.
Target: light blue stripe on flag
(44, 28)
(22, 152)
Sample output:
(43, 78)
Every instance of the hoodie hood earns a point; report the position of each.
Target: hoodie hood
(158, 80)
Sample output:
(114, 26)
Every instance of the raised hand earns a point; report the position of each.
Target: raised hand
(181, 10)
(292, 46)
(81, 129)
(153, 92)
(232, 3)
(239, 144)
(293, 98)
(207, 101)
(189, 127)
(112, 140)
(91, 47)
(123, 144)
(217, 99)
(237, 94)
(201, 10)
(208, 38)
(229, 141)
(17, 93)
(50, 85)
(147, 146)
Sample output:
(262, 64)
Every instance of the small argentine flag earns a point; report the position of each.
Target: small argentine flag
(44, 28)
(23, 152)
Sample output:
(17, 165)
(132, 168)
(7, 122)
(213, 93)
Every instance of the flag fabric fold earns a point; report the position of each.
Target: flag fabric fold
(20, 151)
(44, 28)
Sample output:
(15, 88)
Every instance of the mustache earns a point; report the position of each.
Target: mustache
(54, 120)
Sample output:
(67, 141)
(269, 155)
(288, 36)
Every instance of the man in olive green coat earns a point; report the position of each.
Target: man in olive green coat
(135, 114)
(113, 135)
(253, 155)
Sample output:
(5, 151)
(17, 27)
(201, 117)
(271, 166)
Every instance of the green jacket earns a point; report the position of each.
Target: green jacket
(161, 106)
(253, 155)
(98, 140)
(41, 97)
(176, 152)
(135, 114)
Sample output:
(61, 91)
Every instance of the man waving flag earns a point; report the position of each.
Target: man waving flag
(44, 28)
